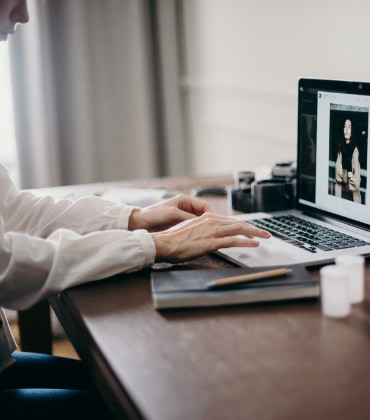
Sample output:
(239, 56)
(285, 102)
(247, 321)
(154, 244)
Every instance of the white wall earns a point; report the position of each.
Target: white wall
(243, 61)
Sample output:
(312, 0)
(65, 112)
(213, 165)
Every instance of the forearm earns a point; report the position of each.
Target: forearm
(34, 268)
(24, 212)
(40, 216)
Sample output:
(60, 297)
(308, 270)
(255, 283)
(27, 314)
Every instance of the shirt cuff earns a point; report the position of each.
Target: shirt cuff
(125, 215)
(147, 244)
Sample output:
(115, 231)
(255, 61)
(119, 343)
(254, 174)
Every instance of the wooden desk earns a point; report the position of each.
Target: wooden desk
(265, 361)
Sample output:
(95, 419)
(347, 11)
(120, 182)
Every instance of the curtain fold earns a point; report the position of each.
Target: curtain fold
(83, 93)
(33, 98)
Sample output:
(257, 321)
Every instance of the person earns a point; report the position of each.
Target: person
(48, 245)
(347, 166)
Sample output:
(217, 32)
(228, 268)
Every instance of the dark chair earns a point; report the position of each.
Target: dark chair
(35, 328)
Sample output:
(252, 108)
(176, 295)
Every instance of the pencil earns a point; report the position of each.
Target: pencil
(249, 277)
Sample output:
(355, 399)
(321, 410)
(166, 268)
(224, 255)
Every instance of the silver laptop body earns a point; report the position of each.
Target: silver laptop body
(332, 175)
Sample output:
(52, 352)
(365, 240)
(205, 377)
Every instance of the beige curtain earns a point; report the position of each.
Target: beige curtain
(85, 94)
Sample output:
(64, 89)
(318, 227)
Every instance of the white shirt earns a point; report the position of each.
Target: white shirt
(48, 245)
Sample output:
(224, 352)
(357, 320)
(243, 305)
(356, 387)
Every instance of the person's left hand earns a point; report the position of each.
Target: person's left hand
(168, 213)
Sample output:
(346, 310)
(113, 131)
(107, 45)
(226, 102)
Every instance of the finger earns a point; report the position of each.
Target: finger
(218, 225)
(227, 226)
(193, 205)
(235, 241)
(235, 230)
(176, 217)
(255, 231)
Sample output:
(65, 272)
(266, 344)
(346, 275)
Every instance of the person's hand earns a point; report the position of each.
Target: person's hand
(202, 235)
(167, 213)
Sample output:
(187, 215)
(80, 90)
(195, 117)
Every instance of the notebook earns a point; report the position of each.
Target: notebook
(332, 177)
(188, 288)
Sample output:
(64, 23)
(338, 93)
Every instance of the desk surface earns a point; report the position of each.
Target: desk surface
(265, 361)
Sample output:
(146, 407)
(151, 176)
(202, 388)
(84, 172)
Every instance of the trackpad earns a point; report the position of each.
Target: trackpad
(270, 252)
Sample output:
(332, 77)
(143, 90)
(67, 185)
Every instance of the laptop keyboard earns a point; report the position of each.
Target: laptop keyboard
(306, 235)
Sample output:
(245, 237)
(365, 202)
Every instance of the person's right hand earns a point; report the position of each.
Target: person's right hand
(206, 233)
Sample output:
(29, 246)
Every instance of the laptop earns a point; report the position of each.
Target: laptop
(332, 196)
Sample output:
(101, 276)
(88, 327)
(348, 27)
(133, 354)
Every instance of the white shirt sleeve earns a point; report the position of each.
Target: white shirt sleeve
(48, 245)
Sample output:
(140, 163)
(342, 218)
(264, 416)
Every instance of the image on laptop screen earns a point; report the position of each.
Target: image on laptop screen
(333, 148)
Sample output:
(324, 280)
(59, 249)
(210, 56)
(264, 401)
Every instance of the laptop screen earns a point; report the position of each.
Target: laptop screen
(333, 131)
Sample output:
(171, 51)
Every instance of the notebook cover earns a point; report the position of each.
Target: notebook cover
(175, 289)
